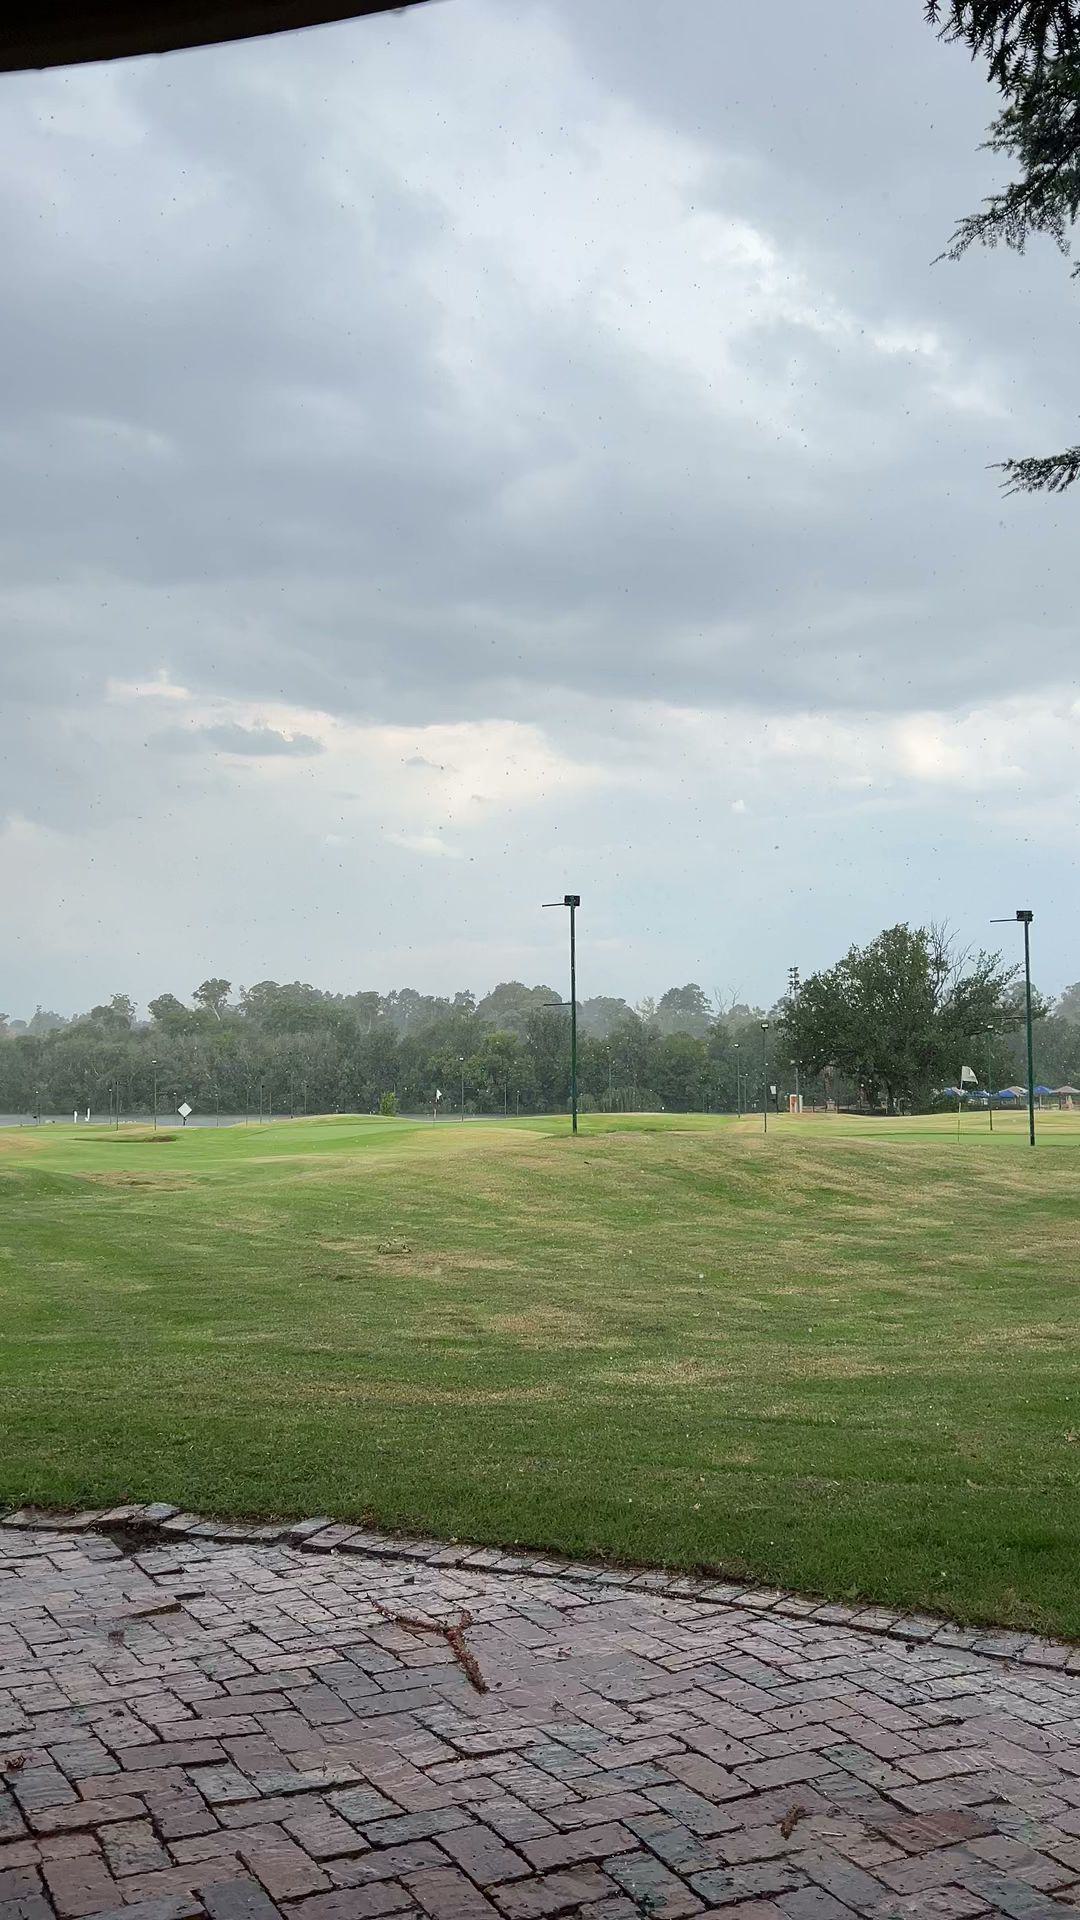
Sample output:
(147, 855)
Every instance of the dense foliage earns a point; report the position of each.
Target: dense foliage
(886, 1025)
(900, 1016)
(1033, 51)
(297, 1049)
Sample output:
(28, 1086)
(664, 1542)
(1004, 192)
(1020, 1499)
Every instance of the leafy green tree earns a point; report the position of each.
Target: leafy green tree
(599, 1015)
(508, 1006)
(548, 1041)
(681, 1072)
(633, 1045)
(114, 1016)
(684, 1010)
(169, 1013)
(1033, 51)
(213, 996)
(898, 1016)
(42, 1022)
(1067, 1004)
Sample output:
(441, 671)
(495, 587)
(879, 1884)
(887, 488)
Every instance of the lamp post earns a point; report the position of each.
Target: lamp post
(765, 1076)
(795, 1064)
(461, 1063)
(573, 901)
(153, 1064)
(1025, 917)
(989, 1078)
(738, 1083)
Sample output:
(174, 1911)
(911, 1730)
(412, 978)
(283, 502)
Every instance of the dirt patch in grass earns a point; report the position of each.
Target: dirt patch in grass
(396, 1393)
(547, 1329)
(171, 1181)
(135, 1137)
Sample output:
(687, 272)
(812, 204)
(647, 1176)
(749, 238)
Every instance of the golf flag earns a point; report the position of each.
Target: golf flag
(438, 1093)
(967, 1078)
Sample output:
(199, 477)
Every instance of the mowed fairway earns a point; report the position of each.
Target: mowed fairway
(843, 1358)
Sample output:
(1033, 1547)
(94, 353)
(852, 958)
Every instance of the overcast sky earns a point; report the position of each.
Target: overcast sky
(517, 446)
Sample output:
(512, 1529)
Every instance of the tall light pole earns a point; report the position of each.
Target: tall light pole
(989, 1077)
(462, 1065)
(1025, 917)
(765, 1076)
(153, 1064)
(573, 901)
(738, 1083)
(794, 981)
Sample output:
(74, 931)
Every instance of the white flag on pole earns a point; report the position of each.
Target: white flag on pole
(438, 1093)
(968, 1078)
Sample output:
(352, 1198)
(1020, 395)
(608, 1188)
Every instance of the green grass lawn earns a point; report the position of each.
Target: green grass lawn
(843, 1358)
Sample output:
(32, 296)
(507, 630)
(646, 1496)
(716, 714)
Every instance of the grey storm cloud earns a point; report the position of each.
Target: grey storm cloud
(555, 409)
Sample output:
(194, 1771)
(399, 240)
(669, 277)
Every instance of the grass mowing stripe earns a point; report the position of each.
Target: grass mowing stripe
(842, 1358)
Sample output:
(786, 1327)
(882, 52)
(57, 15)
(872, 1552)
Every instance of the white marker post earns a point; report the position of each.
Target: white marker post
(183, 1110)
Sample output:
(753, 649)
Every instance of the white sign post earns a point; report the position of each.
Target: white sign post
(183, 1110)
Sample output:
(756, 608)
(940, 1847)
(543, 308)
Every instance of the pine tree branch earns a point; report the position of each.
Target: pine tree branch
(1050, 474)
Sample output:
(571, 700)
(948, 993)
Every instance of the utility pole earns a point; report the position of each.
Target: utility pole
(1025, 917)
(573, 901)
(765, 1076)
(989, 1078)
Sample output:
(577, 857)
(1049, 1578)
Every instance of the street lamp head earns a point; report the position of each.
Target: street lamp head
(764, 1026)
(1025, 913)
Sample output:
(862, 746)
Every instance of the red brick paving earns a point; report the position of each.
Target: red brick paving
(232, 1729)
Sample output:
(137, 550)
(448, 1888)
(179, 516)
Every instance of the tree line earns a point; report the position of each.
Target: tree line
(296, 1048)
(888, 1026)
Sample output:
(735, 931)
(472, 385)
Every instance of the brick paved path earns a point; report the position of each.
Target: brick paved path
(238, 1731)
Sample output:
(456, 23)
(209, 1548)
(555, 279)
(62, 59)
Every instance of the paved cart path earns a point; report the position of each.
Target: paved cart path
(242, 1729)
